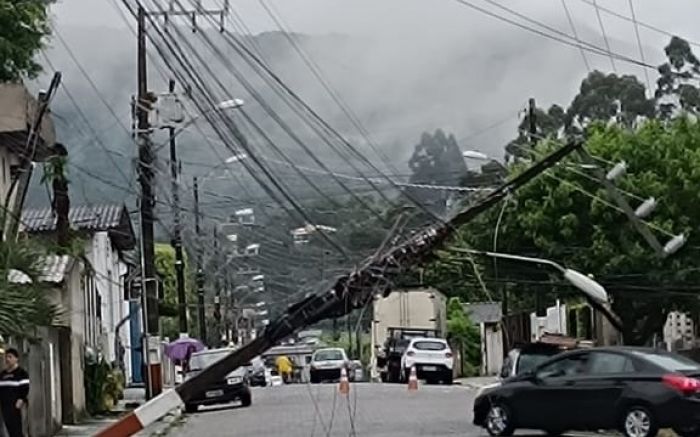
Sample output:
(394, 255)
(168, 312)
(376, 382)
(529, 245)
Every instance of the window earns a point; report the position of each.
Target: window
(671, 363)
(328, 355)
(604, 363)
(430, 346)
(569, 366)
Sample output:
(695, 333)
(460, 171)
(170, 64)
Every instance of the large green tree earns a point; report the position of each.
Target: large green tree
(556, 217)
(24, 26)
(677, 84)
(436, 160)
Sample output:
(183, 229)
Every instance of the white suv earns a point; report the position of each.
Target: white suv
(432, 358)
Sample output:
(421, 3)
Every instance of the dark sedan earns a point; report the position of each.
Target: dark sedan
(235, 387)
(634, 390)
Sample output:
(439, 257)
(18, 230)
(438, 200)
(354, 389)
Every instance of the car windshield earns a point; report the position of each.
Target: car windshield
(528, 362)
(206, 359)
(430, 345)
(673, 363)
(329, 355)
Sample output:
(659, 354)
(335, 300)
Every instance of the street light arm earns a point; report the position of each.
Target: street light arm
(512, 257)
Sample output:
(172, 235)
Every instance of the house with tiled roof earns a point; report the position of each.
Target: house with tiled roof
(55, 364)
(109, 238)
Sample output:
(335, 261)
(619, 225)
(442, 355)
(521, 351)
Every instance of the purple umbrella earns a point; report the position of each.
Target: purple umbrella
(181, 348)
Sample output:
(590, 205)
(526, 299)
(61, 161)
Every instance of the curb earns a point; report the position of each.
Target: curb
(165, 425)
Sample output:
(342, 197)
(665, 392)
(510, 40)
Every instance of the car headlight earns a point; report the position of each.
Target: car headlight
(234, 380)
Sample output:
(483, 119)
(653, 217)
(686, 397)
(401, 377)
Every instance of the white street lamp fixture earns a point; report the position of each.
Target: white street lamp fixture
(235, 158)
(262, 313)
(230, 104)
(646, 208)
(473, 154)
(260, 304)
(618, 170)
(588, 286)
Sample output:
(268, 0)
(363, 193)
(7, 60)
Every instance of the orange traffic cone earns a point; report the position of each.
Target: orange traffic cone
(413, 380)
(344, 386)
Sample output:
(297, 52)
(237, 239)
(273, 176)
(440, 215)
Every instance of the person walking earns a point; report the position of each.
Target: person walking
(284, 368)
(14, 389)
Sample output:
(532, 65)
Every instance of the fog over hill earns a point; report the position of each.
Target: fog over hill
(470, 81)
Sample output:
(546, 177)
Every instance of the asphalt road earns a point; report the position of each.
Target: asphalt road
(376, 410)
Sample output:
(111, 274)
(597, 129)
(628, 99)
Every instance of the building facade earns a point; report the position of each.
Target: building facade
(108, 234)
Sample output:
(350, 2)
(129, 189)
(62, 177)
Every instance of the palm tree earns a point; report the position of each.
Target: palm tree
(24, 298)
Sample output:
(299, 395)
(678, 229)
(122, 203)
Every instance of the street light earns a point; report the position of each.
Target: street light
(584, 283)
(596, 293)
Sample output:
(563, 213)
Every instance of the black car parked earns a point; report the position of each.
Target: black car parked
(634, 390)
(235, 387)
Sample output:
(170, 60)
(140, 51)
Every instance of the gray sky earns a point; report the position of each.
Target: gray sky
(421, 41)
(371, 16)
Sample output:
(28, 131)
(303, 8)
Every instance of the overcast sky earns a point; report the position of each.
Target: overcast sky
(353, 16)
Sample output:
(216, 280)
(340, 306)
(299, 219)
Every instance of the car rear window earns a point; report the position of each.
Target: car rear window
(672, 363)
(430, 346)
(328, 356)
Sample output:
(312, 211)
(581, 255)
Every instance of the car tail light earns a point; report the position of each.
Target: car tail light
(448, 355)
(682, 383)
(410, 353)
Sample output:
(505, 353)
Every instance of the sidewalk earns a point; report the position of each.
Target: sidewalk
(133, 397)
(477, 382)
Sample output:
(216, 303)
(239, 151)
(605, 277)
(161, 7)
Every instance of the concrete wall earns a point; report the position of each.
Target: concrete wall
(491, 348)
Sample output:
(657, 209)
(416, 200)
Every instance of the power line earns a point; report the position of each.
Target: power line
(639, 43)
(573, 30)
(564, 39)
(605, 35)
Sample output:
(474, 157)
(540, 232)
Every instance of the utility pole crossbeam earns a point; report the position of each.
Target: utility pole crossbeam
(620, 200)
(177, 225)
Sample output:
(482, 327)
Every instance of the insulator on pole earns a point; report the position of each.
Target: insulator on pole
(674, 244)
(646, 208)
(618, 170)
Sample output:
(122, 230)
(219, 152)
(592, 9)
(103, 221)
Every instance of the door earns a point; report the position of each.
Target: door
(548, 401)
(601, 388)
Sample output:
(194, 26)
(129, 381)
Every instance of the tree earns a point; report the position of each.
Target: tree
(465, 335)
(601, 97)
(24, 306)
(553, 218)
(676, 84)
(24, 26)
(436, 160)
(165, 266)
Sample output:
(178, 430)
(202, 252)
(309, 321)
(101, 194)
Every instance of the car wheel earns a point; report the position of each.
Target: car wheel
(246, 400)
(499, 421)
(314, 378)
(639, 422)
(688, 431)
(190, 408)
(448, 379)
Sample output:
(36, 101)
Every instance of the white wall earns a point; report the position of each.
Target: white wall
(109, 270)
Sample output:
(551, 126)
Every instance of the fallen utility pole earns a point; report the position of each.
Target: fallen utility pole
(351, 291)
